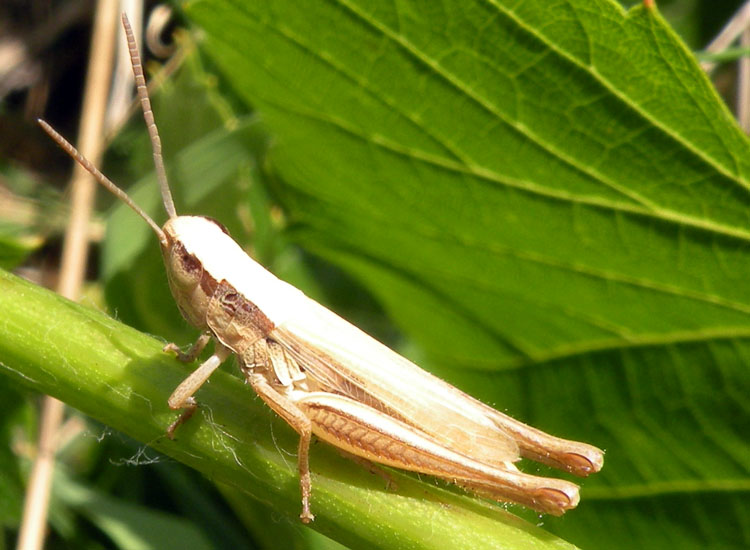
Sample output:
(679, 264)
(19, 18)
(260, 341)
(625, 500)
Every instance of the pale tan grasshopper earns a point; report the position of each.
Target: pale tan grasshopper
(324, 376)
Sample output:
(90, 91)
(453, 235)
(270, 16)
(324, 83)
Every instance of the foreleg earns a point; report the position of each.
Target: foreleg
(194, 351)
(182, 396)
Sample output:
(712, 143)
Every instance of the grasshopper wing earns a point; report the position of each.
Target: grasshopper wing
(342, 359)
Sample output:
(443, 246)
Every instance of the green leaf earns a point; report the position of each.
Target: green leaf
(553, 202)
(19, 219)
(17, 422)
(130, 527)
(121, 377)
(14, 250)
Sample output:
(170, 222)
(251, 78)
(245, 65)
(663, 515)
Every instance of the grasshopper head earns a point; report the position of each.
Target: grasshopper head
(190, 280)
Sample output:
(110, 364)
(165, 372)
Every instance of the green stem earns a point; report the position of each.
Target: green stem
(122, 378)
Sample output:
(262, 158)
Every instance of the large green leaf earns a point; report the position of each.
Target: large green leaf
(550, 197)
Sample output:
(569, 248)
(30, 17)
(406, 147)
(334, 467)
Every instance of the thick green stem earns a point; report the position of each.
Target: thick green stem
(121, 377)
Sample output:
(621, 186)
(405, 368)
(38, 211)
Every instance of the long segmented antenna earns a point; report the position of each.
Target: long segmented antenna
(101, 178)
(148, 115)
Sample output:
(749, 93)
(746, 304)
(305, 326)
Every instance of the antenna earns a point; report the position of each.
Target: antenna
(101, 178)
(148, 115)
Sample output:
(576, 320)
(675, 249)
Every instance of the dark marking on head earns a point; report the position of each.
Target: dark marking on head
(189, 263)
(208, 284)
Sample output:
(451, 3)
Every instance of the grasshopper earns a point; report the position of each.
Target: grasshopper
(326, 377)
